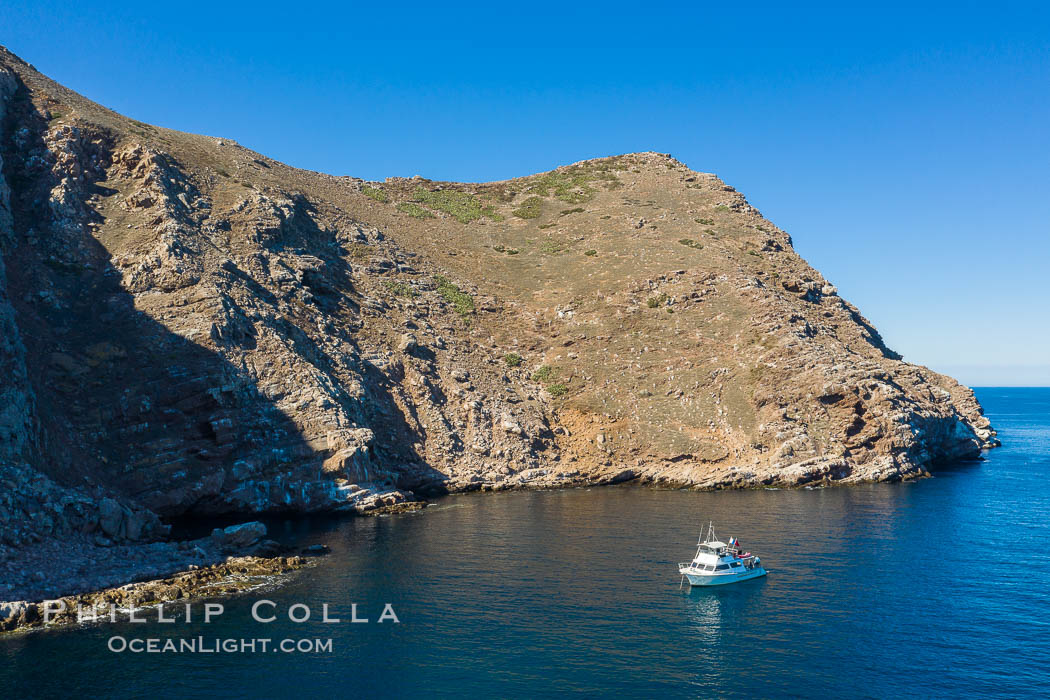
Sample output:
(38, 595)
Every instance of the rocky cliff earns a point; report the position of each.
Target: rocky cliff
(189, 327)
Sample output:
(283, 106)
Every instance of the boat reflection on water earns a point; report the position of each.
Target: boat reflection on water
(705, 614)
(714, 619)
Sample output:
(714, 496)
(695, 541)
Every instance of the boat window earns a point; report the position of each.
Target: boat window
(736, 563)
(720, 567)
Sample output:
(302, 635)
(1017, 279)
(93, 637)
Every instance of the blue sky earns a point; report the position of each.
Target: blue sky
(906, 150)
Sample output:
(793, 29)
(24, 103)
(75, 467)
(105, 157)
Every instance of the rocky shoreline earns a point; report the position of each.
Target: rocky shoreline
(81, 575)
(78, 573)
(233, 576)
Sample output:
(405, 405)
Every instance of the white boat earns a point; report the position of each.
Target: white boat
(717, 563)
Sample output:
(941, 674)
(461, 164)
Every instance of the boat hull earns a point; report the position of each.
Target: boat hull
(701, 579)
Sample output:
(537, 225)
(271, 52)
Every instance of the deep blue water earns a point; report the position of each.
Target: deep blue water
(935, 588)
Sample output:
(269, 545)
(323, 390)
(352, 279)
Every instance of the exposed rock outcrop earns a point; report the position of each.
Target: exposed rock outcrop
(234, 575)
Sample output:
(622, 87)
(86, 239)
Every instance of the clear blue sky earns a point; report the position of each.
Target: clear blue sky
(906, 150)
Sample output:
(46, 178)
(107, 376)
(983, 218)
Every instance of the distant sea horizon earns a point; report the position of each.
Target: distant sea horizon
(994, 376)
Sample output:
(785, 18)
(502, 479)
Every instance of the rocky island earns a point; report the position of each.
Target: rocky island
(189, 328)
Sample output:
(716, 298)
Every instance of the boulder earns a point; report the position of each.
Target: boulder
(111, 517)
(407, 343)
(135, 524)
(12, 614)
(119, 522)
(238, 536)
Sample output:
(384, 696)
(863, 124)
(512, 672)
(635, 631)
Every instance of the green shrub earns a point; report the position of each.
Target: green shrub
(376, 194)
(529, 209)
(491, 213)
(462, 302)
(550, 247)
(705, 222)
(655, 302)
(568, 187)
(722, 208)
(557, 390)
(462, 206)
(690, 243)
(543, 374)
(414, 210)
(566, 212)
(400, 289)
(512, 359)
(590, 253)
(573, 184)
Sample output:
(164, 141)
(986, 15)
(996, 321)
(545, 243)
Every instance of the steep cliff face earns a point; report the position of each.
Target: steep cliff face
(189, 327)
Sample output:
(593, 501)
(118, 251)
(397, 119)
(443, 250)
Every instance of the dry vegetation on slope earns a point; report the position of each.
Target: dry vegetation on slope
(190, 327)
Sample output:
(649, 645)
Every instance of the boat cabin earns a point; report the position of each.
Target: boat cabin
(719, 556)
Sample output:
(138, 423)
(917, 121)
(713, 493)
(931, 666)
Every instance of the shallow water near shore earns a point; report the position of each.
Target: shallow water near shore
(934, 588)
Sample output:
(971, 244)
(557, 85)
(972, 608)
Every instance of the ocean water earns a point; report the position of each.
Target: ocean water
(939, 588)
